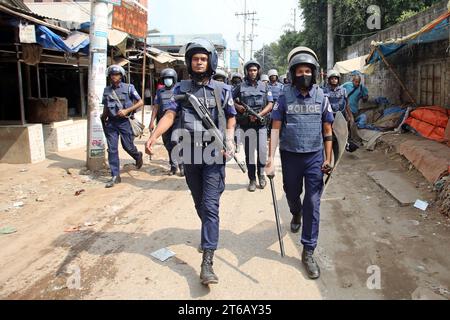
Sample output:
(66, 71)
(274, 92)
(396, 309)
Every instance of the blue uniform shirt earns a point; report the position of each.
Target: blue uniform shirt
(279, 110)
(337, 97)
(276, 89)
(158, 97)
(127, 95)
(228, 105)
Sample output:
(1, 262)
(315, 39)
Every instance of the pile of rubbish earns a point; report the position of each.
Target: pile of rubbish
(443, 200)
(385, 117)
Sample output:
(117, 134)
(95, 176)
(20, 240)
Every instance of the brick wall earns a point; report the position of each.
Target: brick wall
(410, 63)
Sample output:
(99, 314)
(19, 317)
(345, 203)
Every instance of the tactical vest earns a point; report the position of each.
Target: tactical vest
(302, 125)
(165, 96)
(123, 93)
(276, 90)
(255, 98)
(189, 119)
(336, 97)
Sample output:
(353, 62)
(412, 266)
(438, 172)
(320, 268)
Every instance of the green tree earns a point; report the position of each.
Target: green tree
(350, 20)
(350, 26)
(267, 57)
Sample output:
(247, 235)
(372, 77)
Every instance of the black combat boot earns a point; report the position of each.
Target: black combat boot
(172, 171)
(252, 186)
(140, 161)
(207, 274)
(296, 223)
(262, 181)
(310, 264)
(182, 174)
(115, 180)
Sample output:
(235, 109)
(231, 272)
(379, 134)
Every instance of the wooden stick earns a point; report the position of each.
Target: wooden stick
(396, 75)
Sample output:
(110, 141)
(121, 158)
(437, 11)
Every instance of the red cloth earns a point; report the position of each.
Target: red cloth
(430, 122)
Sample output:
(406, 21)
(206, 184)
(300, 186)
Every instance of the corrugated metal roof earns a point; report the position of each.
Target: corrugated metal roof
(29, 16)
(16, 3)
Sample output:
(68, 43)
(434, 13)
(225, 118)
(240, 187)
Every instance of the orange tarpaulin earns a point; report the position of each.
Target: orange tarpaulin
(430, 122)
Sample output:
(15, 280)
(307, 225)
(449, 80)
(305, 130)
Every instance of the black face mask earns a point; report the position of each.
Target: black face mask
(303, 82)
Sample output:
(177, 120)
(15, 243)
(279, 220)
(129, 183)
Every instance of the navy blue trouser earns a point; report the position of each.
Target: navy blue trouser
(169, 145)
(260, 145)
(207, 183)
(304, 169)
(114, 129)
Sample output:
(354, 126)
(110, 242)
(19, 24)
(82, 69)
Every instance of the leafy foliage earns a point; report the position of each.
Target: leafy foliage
(350, 26)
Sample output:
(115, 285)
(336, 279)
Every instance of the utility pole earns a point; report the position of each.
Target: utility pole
(252, 36)
(295, 19)
(245, 14)
(97, 82)
(264, 56)
(330, 37)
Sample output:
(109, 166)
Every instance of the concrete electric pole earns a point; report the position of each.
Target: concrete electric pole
(245, 14)
(97, 82)
(330, 37)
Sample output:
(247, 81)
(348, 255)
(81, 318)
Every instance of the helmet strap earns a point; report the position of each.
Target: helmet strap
(200, 78)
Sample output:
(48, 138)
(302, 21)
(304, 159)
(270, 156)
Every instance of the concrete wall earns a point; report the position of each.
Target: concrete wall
(408, 62)
(65, 135)
(22, 144)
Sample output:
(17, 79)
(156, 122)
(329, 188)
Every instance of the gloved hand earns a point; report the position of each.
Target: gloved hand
(231, 149)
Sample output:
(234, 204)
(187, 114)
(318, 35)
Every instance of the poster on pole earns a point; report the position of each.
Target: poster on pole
(97, 137)
(98, 81)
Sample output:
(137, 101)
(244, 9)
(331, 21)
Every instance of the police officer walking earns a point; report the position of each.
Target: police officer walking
(205, 179)
(274, 85)
(276, 88)
(304, 116)
(335, 93)
(221, 76)
(258, 97)
(236, 80)
(170, 78)
(120, 101)
(265, 79)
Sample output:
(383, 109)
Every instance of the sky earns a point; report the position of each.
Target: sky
(218, 16)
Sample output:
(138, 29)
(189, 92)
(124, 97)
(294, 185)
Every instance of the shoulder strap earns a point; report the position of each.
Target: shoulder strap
(218, 89)
(352, 93)
(129, 89)
(320, 95)
(114, 95)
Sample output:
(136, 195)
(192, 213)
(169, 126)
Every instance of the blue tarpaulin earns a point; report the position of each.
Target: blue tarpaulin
(75, 42)
(434, 31)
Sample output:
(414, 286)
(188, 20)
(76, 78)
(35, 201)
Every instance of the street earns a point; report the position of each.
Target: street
(105, 252)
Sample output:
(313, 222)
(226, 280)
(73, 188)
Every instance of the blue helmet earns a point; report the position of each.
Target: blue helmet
(169, 73)
(237, 75)
(200, 45)
(303, 55)
(116, 69)
(250, 64)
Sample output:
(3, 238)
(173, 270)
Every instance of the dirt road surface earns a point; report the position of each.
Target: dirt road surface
(364, 233)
